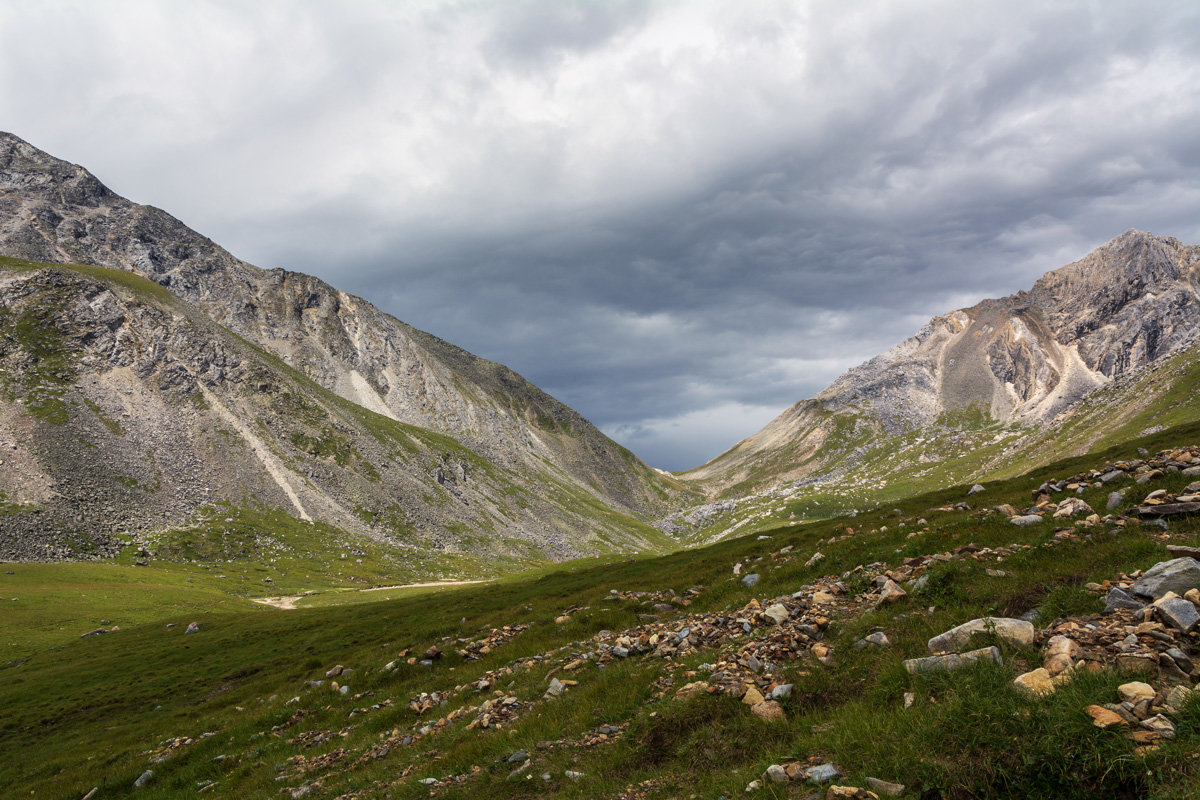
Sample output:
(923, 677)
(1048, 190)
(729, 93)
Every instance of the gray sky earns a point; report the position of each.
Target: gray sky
(677, 217)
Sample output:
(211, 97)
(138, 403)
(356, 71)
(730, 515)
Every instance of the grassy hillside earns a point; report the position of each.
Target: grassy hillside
(406, 502)
(229, 711)
(864, 467)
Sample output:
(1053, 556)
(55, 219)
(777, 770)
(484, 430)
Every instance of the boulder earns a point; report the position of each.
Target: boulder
(768, 710)
(953, 661)
(1177, 575)
(1118, 598)
(1135, 690)
(776, 774)
(1105, 718)
(1178, 613)
(1026, 520)
(1060, 654)
(891, 593)
(1035, 683)
(777, 613)
(822, 773)
(885, 787)
(1073, 507)
(1015, 631)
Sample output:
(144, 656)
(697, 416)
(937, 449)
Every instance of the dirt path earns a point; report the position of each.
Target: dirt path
(419, 585)
(288, 602)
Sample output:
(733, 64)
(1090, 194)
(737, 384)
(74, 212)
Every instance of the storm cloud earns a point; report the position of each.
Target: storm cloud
(677, 217)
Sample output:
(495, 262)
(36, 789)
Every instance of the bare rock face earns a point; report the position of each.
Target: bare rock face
(127, 410)
(173, 352)
(1021, 359)
(51, 210)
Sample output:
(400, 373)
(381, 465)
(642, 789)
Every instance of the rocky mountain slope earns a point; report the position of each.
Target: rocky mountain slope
(52, 211)
(131, 411)
(519, 470)
(1003, 366)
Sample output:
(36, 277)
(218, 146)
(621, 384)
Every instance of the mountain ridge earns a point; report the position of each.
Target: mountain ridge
(51, 210)
(1020, 360)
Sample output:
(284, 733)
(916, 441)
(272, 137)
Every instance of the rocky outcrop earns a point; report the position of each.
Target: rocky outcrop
(51, 210)
(1022, 359)
(125, 411)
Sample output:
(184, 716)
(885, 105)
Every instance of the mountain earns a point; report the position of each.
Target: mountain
(985, 376)
(235, 338)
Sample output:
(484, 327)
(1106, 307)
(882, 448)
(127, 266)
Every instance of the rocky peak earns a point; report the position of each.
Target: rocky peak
(54, 211)
(1022, 359)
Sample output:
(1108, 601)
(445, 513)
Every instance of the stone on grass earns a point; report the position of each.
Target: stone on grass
(1135, 690)
(752, 696)
(849, 793)
(822, 773)
(1072, 507)
(555, 688)
(1105, 718)
(892, 593)
(1015, 631)
(144, 778)
(1160, 725)
(782, 691)
(776, 774)
(193, 627)
(1026, 520)
(885, 787)
(878, 638)
(768, 710)
(953, 661)
(976, 489)
(1060, 654)
(1114, 499)
(751, 580)
(1035, 683)
(1178, 697)
(1177, 575)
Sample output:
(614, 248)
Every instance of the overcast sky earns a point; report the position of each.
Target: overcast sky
(677, 217)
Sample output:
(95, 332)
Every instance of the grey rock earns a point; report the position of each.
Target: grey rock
(1178, 613)
(1181, 659)
(1114, 475)
(775, 774)
(751, 580)
(193, 627)
(884, 787)
(143, 779)
(517, 757)
(953, 661)
(822, 773)
(1114, 499)
(1117, 598)
(1015, 631)
(1026, 520)
(976, 489)
(782, 691)
(555, 688)
(1177, 575)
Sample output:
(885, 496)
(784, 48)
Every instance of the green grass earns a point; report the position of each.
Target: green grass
(89, 712)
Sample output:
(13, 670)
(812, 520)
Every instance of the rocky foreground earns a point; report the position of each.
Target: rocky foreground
(1135, 658)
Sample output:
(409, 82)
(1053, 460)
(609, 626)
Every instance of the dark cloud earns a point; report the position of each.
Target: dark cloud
(677, 217)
